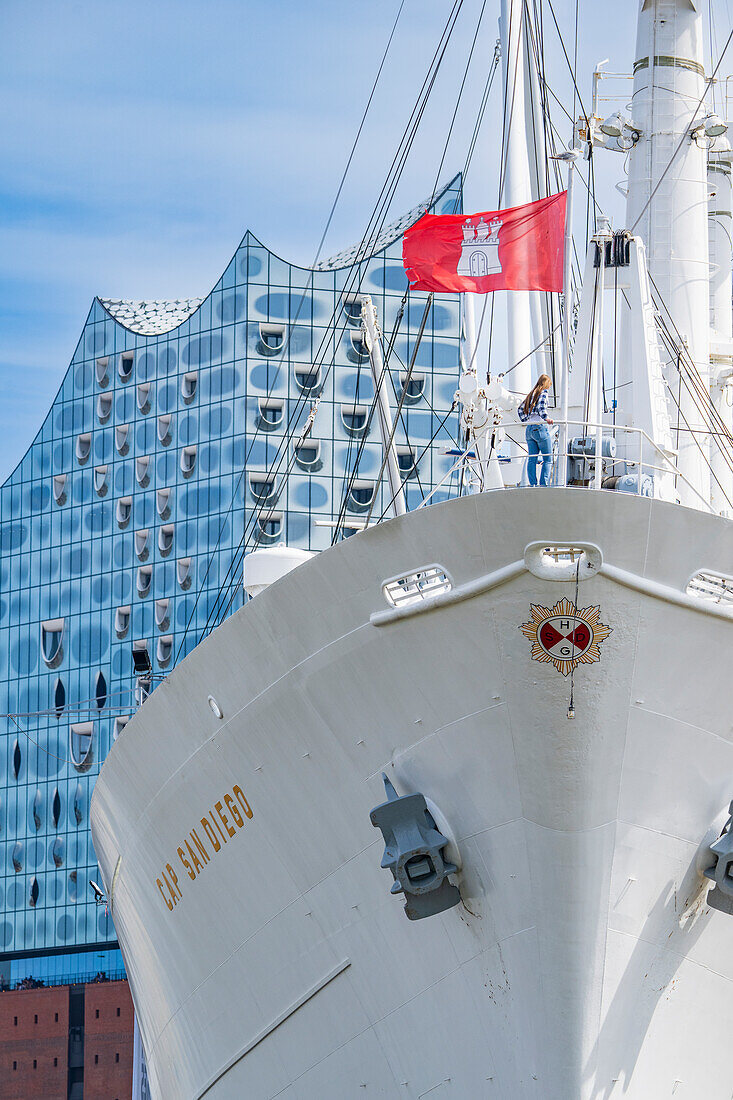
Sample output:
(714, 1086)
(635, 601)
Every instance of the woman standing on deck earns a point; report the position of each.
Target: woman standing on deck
(533, 413)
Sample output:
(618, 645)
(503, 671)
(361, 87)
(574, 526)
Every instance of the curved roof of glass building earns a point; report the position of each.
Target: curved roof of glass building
(150, 318)
(156, 316)
(388, 235)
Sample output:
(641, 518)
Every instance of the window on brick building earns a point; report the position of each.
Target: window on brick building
(56, 1061)
(15, 1065)
(96, 1059)
(15, 1021)
(117, 1057)
(118, 1011)
(96, 1013)
(56, 1017)
(35, 1018)
(35, 1063)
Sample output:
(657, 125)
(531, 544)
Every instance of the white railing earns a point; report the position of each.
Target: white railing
(637, 464)
(641, 466)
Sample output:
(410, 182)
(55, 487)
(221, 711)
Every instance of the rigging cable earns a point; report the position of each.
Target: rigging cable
(300, 304)
(387, 447)
(370, 234)
(458, 101)
(680, 349)
(464, 175)
(349, 482)
(362, 251)
(63, 759)
(571, 705)
(424, 451)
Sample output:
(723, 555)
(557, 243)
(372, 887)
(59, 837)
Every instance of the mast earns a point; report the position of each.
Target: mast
(721, 315)
(667, 205)
(544, 338)
(569, 158)
(515, 186)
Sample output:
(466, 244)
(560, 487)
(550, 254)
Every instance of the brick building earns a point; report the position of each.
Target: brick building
(72, 1042)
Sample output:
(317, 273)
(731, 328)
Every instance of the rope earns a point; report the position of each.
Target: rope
(424, 451)
(388, 188)
(425, 398)
(458, 102)
(571, 707)
(401, 402)
(370, 236)
(63, 759)
(537, 347)
(400, 399)
(349, 481)
(278, 364)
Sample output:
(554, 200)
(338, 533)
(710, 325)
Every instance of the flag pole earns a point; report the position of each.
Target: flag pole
(570, 158)
(469, 317)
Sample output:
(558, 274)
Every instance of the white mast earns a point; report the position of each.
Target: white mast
(569, 158)
(544, 339)
(515, 185)
(667, 206)
(721, 316)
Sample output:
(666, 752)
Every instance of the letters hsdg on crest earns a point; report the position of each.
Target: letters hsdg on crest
(565, 635)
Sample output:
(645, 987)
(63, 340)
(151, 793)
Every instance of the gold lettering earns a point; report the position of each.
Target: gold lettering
(174, 879)
(194, 859)
(210, 834)
(204, 854)
(224, 819)
(159, 884)
(221, 834)
(171, 891)
(193, 853)
(239, 795)
(231, 805)
(189, 869)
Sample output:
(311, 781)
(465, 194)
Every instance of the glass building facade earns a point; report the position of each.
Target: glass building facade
(170, 449)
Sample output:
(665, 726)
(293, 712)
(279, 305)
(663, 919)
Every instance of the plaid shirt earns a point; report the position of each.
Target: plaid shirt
(538, 414)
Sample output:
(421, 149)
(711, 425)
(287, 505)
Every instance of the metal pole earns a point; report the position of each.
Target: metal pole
(570, 157)
(515, 181)
(469, 318)
(597, 362)
(376, 361)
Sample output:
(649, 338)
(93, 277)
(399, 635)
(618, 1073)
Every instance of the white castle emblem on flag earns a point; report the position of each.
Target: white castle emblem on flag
(480, 248)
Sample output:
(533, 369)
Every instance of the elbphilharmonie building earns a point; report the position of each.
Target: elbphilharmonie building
(174, 447)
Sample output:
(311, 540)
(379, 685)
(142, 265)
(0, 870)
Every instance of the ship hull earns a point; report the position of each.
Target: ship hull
(583, 961)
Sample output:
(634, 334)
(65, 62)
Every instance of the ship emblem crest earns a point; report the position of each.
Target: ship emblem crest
(565, 635)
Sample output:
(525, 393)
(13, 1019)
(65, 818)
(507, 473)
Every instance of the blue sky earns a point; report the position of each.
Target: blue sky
(140, 141)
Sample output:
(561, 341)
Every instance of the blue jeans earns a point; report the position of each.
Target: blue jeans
(539, 442)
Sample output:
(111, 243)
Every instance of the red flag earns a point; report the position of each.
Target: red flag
(516, 249)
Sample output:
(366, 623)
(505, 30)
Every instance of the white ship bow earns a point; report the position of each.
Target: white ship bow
(582, 961)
